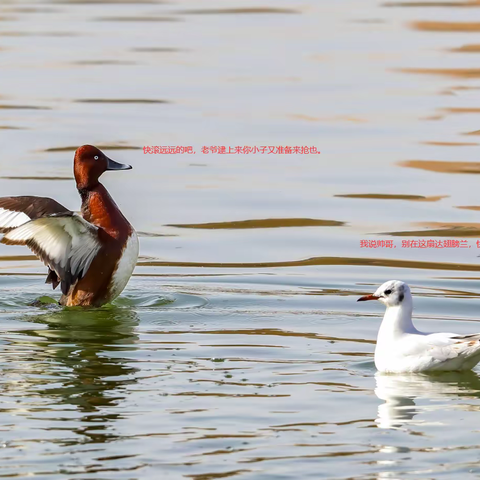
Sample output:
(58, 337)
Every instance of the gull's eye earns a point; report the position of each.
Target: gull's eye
(388, 292)
(95, 157)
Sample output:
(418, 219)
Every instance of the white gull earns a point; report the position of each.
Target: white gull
(401, 348)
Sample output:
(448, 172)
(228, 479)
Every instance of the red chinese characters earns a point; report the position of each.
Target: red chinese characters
(237, 150)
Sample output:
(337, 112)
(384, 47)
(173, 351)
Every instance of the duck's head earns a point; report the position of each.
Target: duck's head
(392, 294)
(90, 163)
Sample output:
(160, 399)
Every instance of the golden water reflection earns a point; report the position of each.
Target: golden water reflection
(263, 223)
(391, 196)
(443, 167)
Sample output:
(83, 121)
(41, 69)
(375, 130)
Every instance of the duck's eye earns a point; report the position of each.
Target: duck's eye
(388, 292)
(95, 157)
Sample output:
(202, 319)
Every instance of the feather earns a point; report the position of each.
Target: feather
(16, 211)
(65, 242)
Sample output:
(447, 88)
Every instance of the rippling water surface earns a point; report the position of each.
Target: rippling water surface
(237, 349)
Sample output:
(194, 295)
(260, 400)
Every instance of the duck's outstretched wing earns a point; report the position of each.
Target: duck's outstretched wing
(65, 242)
(15, 211)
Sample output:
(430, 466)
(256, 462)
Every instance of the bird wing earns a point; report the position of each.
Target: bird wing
(65, 242)
(437, 348)
(16, 211)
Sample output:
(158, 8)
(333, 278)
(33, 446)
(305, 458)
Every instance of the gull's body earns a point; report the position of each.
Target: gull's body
(401, 348)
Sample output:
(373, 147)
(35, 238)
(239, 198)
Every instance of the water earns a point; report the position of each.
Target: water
(238, 348)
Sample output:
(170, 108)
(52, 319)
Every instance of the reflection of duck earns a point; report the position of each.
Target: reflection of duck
(70, 365)
(401, 391)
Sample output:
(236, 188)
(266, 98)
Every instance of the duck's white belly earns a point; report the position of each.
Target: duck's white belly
(125, 267)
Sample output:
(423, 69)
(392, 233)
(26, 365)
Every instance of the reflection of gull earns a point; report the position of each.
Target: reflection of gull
(401, 391)
(401, 348)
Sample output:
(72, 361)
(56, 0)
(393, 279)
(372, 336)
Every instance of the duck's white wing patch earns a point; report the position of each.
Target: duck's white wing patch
(66, 243)
(11, 219)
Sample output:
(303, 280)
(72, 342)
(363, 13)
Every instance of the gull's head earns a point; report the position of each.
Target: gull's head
(393, 293)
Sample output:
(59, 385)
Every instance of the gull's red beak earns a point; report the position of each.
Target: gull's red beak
(368, 297)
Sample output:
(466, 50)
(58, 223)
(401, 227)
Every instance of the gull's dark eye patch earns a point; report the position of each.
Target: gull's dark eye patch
(388, 292)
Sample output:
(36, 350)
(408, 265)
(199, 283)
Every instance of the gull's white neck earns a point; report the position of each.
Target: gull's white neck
(397, 322)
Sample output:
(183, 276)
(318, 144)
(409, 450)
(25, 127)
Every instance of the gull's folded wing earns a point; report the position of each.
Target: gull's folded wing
(441, 347)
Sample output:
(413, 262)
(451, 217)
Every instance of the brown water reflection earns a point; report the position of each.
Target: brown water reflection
(443, 167)
(475, 48)
(352, 261)
(446, 72)
(440, 229)
(275, 332)
(263, 223)
(386, 196)
(208, 476)
(462, 110)
(428, 26)
(22, 107)
(469, 207)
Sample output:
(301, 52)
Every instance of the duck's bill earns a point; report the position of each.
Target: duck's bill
(367, 297)
(113, 165)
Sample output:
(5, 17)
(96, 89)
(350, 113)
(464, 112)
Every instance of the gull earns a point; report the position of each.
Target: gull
(401, 348)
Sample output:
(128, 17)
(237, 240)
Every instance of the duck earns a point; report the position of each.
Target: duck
(401, 348)
(91, 254)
